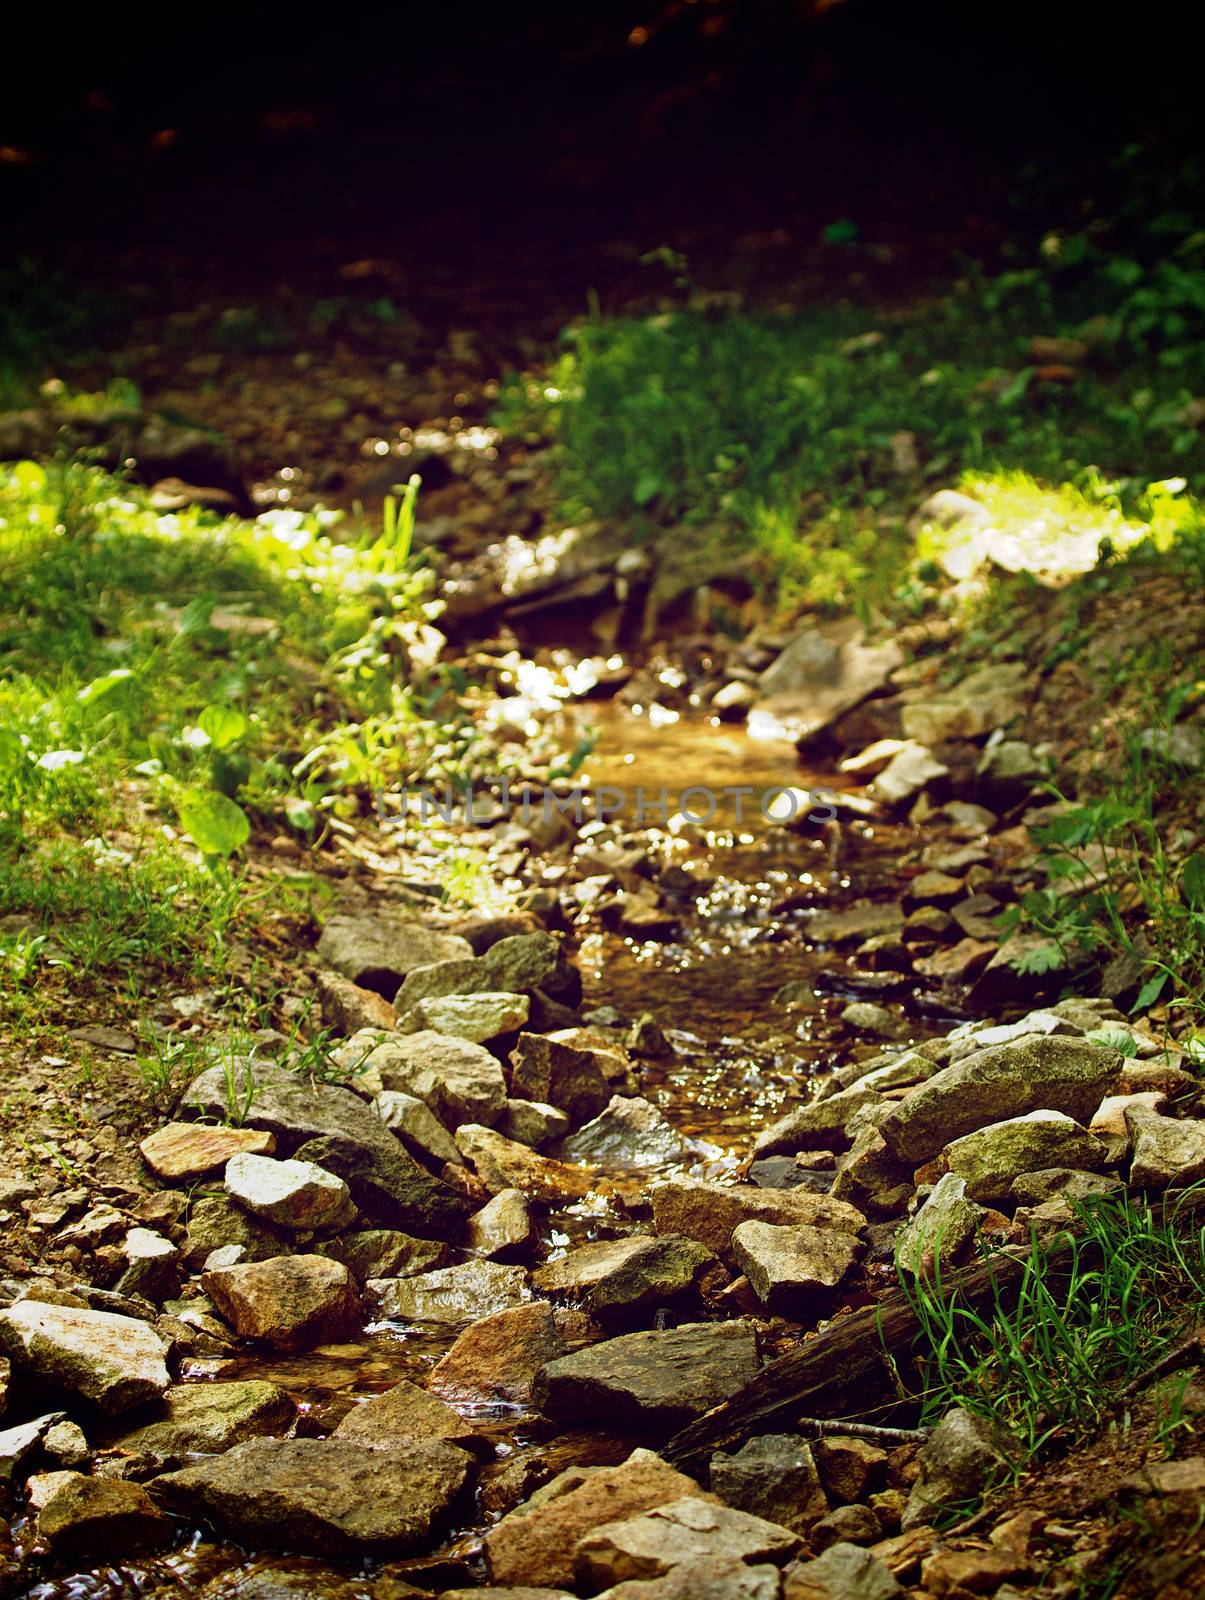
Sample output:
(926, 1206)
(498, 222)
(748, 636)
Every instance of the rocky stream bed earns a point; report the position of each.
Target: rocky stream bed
(581, 1173)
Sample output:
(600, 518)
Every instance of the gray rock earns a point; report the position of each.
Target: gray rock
(323, 1496)
(341, 1134)
(1181, 746)
(547, 1070)
(290, 1194)
(691, 1529)
(216, 1223)
(1166, 1153)
(824, 671)
(941, 1227)
(957, 1461)
(209, 1418)
(458, 1080)
(851, 1524)
(991, 697)
(990, 1158)
(821, 1125)
(503, 1229)
(659, 1379)
(475, 1017)
(909, 771)
(531, 1123)
(152, 1265)
(519, 964)
(1049, 1183)
(709, 1211)
(630, 1133)
(290, 1302)
(453, 1295)
(1003, 1081)
(622, 1279)
(384, 1253)
(17, 1444)
(115, 1362)
(417, 1126)
(773, 1476)
(377, 951)
(843, 1572)
(793, 1271)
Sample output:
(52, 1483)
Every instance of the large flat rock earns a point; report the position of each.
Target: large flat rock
(323, 1496)
(1035, 1073)
(657, 1380)
(113, 1361)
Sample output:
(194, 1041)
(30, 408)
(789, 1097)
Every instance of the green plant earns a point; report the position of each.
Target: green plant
(1049, 1359)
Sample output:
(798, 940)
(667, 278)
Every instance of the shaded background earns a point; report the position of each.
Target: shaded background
(221, 131)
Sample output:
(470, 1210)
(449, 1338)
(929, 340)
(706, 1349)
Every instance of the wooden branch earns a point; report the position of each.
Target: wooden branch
(823, 1428)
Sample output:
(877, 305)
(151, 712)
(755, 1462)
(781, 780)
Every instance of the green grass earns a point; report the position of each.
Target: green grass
(775, 436)
(1049, 1362)
(163, 676)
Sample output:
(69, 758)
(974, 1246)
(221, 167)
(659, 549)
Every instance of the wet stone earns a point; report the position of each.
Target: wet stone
(323, 1496)
(660, 1379)
(402, 1413)
(498, 1356)
(504, 1164)
(290, 1302)
(384, 1253)
(624, 1279)
(454, 1295)
(503, 1230)
(210, 1418)
(630, 1133)
(94, 1517)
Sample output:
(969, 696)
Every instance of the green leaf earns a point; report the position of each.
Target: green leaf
(1192, 881)
(224, 724)
(844, 231)
(100, 687)
(1149, 993)
(217, 824)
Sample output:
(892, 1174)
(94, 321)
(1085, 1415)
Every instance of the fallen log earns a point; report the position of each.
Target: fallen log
(851, 1365)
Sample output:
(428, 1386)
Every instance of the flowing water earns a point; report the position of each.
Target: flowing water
(743, 895)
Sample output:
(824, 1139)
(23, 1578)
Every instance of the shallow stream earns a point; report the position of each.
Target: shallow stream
(747, 891)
